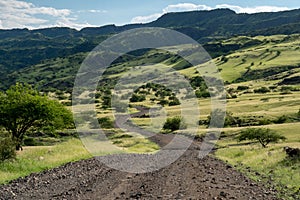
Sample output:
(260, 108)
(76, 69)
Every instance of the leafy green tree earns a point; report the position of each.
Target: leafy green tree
(262, 135)
(23, 109)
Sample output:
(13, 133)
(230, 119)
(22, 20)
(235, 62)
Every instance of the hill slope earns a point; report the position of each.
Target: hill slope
(273, 58)
(21, 48)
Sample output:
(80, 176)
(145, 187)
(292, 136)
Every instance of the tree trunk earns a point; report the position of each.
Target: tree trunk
(18, 144)
(19, 147)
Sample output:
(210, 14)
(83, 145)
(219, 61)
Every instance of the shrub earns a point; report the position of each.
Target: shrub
(262, 90)
(30, 142)
(221, 116)
(202, 94)
(7, 147)
(242, 87)
(175, 101)
(106, 101)
(281, 119)
(163, 102)
(105, 122)
(174, 123)
(137, 98)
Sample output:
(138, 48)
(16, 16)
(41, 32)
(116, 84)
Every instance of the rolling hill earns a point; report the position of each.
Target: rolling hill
(239, 59)
(23, 48)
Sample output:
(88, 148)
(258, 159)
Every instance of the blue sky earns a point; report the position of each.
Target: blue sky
(82, 13)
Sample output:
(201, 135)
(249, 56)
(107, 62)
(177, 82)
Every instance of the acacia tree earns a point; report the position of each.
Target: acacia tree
(23, 109)
(263, 135)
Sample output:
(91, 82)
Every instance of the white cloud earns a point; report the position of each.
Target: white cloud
(185, 7)
(256, 9)
(21, 14)
(92, 11)
(145, 19)
(181, 7)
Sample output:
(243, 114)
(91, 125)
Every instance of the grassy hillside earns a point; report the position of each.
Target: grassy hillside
(240, 59)
(273, 58)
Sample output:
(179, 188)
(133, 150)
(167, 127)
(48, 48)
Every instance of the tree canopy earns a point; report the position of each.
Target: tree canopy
(24, 109)
(263, 135)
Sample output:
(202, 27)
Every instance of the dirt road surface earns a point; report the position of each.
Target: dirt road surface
(187, 178)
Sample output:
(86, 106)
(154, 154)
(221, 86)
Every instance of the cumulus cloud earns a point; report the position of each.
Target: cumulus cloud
(144, 19)
(21, 14)
(257, 9)
(185, 7)
(181, 7)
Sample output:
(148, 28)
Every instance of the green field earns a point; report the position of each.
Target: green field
(39, 158)
(268, 165)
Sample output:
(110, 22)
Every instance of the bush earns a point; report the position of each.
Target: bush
(222, 116)
(173, 124)
(30, 142)
(163, 102)
(281, 119)
(137, 98)
(106, 101)
(105, 122)
(202, 94)
(242, 87)
(7, 147)
(175, 101)
(262, 90)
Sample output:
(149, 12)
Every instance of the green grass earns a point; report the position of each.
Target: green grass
(270, 164)
(39, 158)
(274, 51)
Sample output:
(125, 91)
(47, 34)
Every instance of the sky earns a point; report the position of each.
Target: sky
(33, 14)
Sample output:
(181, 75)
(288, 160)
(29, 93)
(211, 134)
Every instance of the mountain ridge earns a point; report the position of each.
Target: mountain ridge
(286, 17)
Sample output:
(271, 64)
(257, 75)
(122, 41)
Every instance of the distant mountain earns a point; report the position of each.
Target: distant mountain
(23, 48)
(224, 22)
(219, 22)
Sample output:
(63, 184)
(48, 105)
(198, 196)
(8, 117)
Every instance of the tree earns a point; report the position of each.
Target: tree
(263, 135)
(23, 109)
